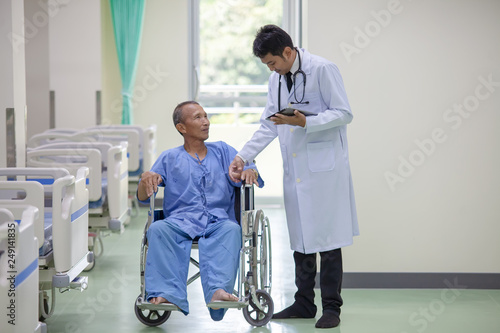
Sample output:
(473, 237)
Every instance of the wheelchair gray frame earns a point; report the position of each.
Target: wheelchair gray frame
(254, 274)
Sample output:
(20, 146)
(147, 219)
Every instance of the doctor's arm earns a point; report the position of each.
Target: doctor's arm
(338, 113)
(266, 133)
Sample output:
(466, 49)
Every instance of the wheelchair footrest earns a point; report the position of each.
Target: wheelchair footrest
(226, 305)
(145, 305)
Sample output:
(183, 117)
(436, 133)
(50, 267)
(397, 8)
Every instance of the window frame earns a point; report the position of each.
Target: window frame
(292, 23)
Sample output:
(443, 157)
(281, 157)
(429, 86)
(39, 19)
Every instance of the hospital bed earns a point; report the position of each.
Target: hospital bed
(142, 152)
(19, 270)
(254, 274)
(107, 181)
(146, 144)
(61, 227)
(141, 141)
(141, 146)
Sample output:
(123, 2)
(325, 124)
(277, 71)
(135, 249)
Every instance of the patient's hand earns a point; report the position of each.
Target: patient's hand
(148, 185)
(250, 176)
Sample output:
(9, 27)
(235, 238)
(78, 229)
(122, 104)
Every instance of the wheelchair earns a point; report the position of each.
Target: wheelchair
(254, 273)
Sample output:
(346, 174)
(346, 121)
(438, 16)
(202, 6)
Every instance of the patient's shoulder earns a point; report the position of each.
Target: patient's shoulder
(222, 150)
(218, 145)
(171, 153)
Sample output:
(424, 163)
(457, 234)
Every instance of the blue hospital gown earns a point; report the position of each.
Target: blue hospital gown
(197, 193)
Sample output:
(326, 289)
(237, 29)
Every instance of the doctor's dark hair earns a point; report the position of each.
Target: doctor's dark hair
(271, 39)
(177, 116)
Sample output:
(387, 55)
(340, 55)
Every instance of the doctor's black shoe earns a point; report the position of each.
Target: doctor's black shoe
(295, 311)
(328, 320)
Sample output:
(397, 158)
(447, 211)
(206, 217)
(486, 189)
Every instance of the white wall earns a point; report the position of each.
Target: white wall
(36, 23)
(424, 142)
(13, 76)
(75, 61)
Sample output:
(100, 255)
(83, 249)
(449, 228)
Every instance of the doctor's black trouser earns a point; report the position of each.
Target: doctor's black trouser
(330, 281)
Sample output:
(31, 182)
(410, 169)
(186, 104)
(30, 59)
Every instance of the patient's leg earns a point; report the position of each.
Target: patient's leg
(167, 265)
(219, 260)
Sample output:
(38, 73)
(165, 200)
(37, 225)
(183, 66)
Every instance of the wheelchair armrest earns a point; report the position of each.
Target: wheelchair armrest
(244, 200)
(158, 214)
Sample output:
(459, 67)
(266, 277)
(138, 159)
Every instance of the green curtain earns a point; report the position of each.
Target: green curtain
(127, 24)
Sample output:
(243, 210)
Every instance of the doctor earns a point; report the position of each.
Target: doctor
(318, 191)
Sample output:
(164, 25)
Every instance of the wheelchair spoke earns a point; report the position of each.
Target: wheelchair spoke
(256, 314)
(153, 315)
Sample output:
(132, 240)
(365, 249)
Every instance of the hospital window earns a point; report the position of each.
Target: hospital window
(225, 77)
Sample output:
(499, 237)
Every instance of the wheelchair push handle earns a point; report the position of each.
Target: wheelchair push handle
(152, 202)
(246, 196)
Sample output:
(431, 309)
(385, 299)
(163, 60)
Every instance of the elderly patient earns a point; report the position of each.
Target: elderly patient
(198, 203)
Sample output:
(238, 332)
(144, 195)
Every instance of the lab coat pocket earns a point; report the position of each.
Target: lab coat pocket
(284, 155)
(321, 156)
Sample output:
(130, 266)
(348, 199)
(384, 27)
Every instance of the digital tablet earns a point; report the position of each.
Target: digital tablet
(289, 112)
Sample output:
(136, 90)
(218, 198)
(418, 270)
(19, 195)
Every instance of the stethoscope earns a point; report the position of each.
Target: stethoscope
(294, 77)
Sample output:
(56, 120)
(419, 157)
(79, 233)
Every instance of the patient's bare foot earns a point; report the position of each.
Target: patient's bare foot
(158, 300)
(222, 295)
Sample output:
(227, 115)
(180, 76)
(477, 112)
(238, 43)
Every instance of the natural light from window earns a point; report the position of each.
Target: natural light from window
(233, 82)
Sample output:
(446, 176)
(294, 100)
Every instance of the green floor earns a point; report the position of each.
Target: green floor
(108, 304)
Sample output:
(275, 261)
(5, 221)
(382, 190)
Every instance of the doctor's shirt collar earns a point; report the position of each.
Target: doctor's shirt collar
(295, 66)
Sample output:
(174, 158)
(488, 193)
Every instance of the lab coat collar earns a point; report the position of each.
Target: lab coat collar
(295, 65)
(305, 66)
(306, 61)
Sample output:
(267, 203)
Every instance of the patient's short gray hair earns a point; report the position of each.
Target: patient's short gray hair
(177, 115)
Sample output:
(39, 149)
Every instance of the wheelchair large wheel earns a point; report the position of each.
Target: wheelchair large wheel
(263, 264)
(151, 317)
(255, 316)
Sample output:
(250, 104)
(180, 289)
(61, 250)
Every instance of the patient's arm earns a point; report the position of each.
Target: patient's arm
(148, 185)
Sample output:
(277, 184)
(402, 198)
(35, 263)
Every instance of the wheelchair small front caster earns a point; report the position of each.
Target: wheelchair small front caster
(262, 314)
(90, 266)
(151, 317)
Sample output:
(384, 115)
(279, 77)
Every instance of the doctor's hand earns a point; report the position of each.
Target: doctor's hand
(236, 169)
(148, 185)
(298, 119)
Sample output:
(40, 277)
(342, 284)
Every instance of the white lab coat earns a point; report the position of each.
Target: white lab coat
(318, 191)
